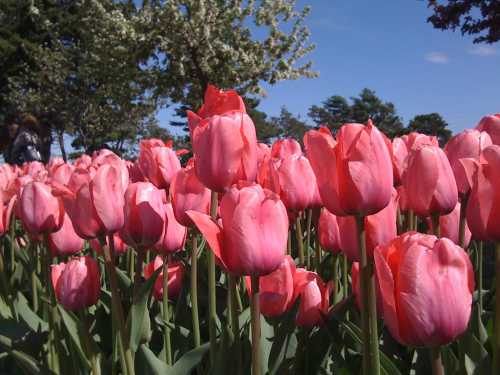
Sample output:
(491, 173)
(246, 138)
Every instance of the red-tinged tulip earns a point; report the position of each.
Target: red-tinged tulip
(40, 211)
(491, 125)
(402, 199)
(314, 297)
(144, 215)
(426, 287)
(62, 173)
(449, 224)
(224, 141)
(54, 163)
(107, 157)
(77, 284)
(5, 213)
(175, 276)
(254, 232)
(263, 152)
(429, 182)
(134, 172)
(468, 144)
(188, 193)
(65, 241)
(120, 247)
(416, 140)
(380, 229)
(80, 177)
(283, 148)
(399, 154)
(36, 171)
(483, 210)
(276, 289)
(83, 162)
(8, 187)
(158, 164)
(328, 232)
(356, 290)
(174, 234)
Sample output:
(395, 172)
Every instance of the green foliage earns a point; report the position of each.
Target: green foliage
(289, 126)
(431, 124)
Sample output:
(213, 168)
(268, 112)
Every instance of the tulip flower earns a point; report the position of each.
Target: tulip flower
(61, 173)
(119, 245)
(284, 148)
(5, 213)
(356, 290)
(328, 232)
(188, 193)
(174, 234)
(468, 144)
(40, 211)
(276, 292)
(254, 232)
(263, 152)
(65, 241)
(158, 164)
(426, 287)
(449, 224)
(175, 276)
(224, 141)
(415, 140)
(354, 174)
(83, 162)
(77, 284)
(314, 298)
(144, 215)
(36, 171)
(491, 125)
(429, 182)
(399, 154)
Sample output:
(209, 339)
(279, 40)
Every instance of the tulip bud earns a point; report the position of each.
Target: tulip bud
(65, 241)
(174, 234)
(314, 298)
(491, 125)
(175, 276)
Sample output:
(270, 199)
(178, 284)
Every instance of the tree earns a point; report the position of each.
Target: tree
(337, 111)
(480, 18)
(431, 124)
(290, 126)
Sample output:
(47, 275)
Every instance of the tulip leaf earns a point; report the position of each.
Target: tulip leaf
(225, 357)
(27, 315)
(74, 328)
(139, 309)
(189, 360)
(146, 362)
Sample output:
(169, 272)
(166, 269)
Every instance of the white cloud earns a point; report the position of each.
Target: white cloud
(483, 51)
(437, 58)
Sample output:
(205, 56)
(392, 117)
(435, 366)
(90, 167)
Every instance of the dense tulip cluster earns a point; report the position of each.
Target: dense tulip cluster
(403, 212)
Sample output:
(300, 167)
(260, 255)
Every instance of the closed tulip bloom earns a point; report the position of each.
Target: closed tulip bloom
(448, 225)
(224, 142)
(188, 193)
(314, 298)
(5, 213)
(483, 214)
(120, 246)
(426, 287)
(65, 241)
(134, 172)
(176, 272)
(36, 171)
(356, 290)
(416, 140)
(83, 162)
(429, 182)
(254, 232)
(399, 154)
(263, 152)
(158, 164)
(276, 291)
(41, 212)
(283, 148)
(77, 284)
(491, 125)
(468, 144)
(174, 234)
(144, 215)
(62, 173)
(328, 232)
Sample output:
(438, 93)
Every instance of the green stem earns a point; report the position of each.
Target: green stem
(480, 276)
(335, 276)
(345, 276)
(436, 363)
(255, 319)
(194, 290)
(461, 226)
(235, 324)
(167, 349)
(308, 237)
(13, 243)
(496, 346)
(139, 260)
(289, 243)
(371, 360)
(94, 360)
(300, 243)
(212, 307)
(435, 225)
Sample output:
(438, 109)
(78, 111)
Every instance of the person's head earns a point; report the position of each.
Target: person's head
(12, 129)
(30, 122)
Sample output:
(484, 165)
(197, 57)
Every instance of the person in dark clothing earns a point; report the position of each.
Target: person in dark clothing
(26, 145)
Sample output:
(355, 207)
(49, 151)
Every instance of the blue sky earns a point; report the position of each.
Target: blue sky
(387, 46)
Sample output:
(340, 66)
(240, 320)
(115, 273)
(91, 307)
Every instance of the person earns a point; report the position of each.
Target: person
(26, 142)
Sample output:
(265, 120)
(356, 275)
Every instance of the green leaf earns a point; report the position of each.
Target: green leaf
(147, 363)
(139, 309)
(27, 315)
(189, 360)
(73, 326)
(29, 364)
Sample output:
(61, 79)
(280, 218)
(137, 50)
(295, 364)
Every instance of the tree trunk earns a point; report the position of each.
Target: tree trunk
(60, 140)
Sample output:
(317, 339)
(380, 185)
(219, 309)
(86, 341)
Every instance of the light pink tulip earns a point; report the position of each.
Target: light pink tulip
(65, 241)
(174, 234)
(491, 125)
(158, 164)
(176, 272)
(328, 232)
(314, 298)
(120, 247)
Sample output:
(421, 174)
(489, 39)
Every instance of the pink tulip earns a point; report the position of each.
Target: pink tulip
(491, 125)
(429, 182)
(135, 172)
(77, 283)
(284, 148)
(188, 193)
(174, 234)
(468, 144)
(224, 141)
(144, 215)
(449, 224)
(254, 232)
(328, 232)
(263, 152)
(175, 276)
(65, 241)
(314, 298)
(40, 211)
(158, 164)
(426, 288)
(399, 154)
(83, 162)
(62, 173)
(36, 171)
(5, 214)
(415, 140)
(356, 290)
(276, 289)
(7, 182)
(120, 247)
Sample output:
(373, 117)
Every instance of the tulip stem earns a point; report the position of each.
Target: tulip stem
(167, 349)
(194, 289)
(85, 321)
(139, 260)
(255, 318)
(289, 243)
(461, 227)
(436, 363)
(308, 237)
(212, 311)
(335, 275)
(371, 360)
(345, 276)
(34, 287)
(435, 225)
(12, 244)
(235, 324)
(496, 350)
(300, 243)
(480, 276)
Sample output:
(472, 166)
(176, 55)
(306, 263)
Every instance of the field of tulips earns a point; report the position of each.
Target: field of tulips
(351, 254)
